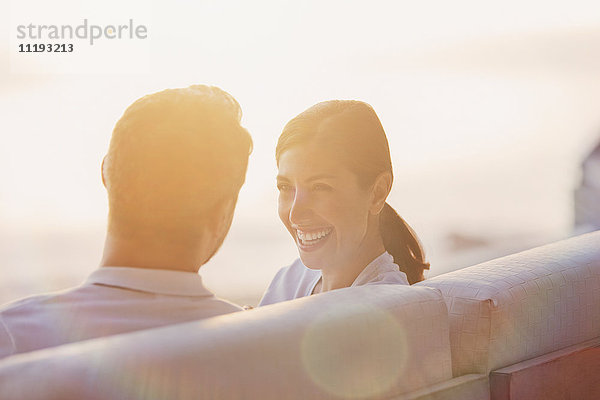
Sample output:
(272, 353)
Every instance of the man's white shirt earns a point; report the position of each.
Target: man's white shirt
(112, 300)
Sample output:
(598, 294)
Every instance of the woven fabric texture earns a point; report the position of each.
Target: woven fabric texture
(524, 305)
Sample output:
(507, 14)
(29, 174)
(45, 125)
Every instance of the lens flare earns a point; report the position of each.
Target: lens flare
(354, 353)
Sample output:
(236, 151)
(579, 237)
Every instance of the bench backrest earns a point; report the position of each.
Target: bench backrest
(524, 305)
(365, 342)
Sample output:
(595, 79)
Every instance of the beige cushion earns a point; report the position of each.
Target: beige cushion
(366, 342)
(524, 305)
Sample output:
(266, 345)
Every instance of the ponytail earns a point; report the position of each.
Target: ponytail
(402, 243)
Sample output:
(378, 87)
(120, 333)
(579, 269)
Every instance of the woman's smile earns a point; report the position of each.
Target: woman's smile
(313, 239)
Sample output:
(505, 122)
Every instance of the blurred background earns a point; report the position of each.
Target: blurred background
(490, 108)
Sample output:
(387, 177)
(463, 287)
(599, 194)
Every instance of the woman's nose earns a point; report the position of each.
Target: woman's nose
(300, 209)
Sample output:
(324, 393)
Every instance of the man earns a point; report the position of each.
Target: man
(176, 162)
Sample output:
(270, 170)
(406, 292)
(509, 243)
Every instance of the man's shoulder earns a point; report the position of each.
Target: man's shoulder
(91, 311)
(23, 317)
(222, 306)
(33, 300)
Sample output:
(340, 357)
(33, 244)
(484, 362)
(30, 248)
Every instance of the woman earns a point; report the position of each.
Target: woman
(335, 174)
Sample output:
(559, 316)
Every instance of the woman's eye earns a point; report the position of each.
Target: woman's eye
(282, 187)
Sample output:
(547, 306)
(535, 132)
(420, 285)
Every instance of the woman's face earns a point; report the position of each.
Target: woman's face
(322, 206)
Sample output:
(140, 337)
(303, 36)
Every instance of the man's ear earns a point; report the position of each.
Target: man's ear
(102, 171)
(380, 192)
(222, 215)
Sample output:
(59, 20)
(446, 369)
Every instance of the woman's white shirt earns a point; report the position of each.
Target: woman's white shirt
(297, 280)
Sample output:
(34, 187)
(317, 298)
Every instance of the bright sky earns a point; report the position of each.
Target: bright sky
(476, 97)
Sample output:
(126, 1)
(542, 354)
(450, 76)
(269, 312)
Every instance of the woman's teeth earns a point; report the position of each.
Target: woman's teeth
(308, 238)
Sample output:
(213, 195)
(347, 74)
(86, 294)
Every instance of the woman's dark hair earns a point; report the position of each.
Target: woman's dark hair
(355, 132)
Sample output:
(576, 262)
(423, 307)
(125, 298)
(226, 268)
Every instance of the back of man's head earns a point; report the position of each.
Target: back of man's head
(174, 156)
